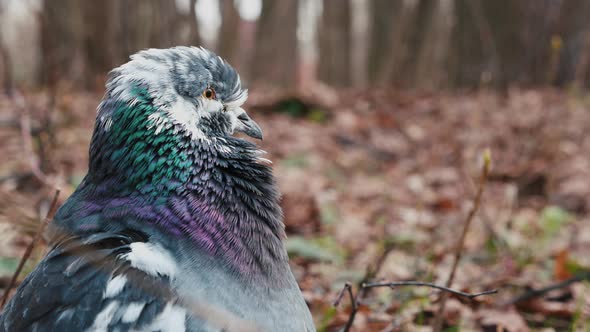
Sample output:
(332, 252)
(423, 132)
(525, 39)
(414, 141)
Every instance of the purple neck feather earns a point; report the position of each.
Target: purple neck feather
(228, 208)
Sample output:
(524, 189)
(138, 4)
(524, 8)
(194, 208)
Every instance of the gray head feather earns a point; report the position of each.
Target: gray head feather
(175, 79)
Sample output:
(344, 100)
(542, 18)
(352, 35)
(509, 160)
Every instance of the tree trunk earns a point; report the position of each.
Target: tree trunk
(275, 60)
(540, 25)
(335, 43)
(360, 42)
(393, 40)
(574, 29)
(82, 40)
(6, 69)
(383, 14)
(5, 63)
(62, 42)
(432, 62)
(229, 34)
(101, 28)
(193, 38)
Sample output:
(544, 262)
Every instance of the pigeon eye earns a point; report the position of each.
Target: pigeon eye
(209, 93)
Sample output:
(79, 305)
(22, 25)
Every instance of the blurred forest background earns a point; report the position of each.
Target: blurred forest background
(377, 113)
(354, 43)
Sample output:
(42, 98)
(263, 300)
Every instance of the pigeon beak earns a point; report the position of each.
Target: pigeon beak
(248, 126)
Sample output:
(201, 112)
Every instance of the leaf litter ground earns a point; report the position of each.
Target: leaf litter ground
(382, 181)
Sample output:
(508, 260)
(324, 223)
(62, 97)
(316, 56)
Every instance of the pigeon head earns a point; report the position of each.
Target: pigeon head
(192, 92)
(163, 153)
(167, 115)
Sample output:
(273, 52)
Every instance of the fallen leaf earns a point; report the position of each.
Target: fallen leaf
(494, 320)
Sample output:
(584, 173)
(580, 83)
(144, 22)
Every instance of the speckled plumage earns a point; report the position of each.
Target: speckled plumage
(171, 199)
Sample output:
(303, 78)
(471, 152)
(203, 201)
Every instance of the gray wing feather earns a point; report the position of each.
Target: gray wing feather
(67, 290)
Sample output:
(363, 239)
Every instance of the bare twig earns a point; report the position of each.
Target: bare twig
(346, 289)
(29, 250)
(354, 303)
(373, 269)
(437, 326)
(542, 291)
(431, 285)
(354, 299)
(370, 273)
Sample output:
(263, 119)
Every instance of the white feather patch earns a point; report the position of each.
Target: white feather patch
(240, 99)
(171, 319)
(152, 259)
(104, 318)
(258, 154)
(184, 113)
(115, 286)
(132, 312)
(223, 148)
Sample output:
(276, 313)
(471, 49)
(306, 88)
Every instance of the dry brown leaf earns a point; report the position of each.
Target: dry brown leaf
(502, 320)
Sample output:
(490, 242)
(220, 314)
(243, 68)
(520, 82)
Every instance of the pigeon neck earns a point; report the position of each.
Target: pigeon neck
(236, 210)
(216, 193)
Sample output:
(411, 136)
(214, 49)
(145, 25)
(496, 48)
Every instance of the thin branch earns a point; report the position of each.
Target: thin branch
(370, 273)
(354, 302)
(363, 286)
(346, 289)
(354, 298)
(29, 250)
(542, 291)
(431, 285)
(373, 269)
(437, 326)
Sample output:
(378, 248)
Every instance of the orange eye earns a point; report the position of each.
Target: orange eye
(209, 93)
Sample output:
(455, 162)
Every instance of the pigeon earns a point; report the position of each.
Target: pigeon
(177, 224)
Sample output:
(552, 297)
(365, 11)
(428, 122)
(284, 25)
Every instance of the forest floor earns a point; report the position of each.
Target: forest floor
(377, 186)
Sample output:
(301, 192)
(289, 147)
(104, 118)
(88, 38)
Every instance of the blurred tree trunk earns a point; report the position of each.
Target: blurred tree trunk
(140, 24)
(383, 14)
(413, 31)
(475, 57)
(101, 47)
(503, 42)
(540, 25)
(167, 21)
(360, 42)
(62, 41)
(574, 29)
(115, 29)
(275, 60)
(154, 24)
(430, 43)
(335, 43)
(432, 63)
(229, 33)
(5, 68)
(5, 63)
(506, 19)
(193, 26)
(412, 43)
(392, 40)
(82, 40)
